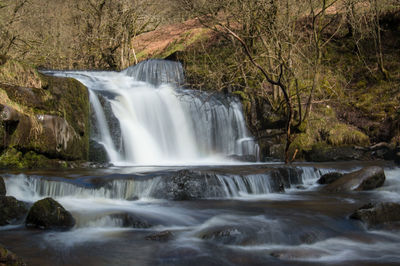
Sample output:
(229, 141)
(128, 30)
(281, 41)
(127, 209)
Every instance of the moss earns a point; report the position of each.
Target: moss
(11, 158)
(184, 41)
(20, 74)
(342, 134)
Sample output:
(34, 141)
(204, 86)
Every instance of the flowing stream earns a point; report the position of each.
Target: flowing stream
(219, 215)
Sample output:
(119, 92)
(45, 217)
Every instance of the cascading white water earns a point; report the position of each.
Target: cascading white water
(160, 123)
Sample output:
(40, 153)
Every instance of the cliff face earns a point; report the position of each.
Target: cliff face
(44, 121)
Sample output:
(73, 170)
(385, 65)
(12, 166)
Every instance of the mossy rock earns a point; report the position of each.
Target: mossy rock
(11, 210)
(52, 121)
(13, 158)
(7, 258)
(49, 214)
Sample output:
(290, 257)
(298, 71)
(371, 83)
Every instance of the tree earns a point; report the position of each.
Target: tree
(10, 12)
(283, 40)
(107, 27)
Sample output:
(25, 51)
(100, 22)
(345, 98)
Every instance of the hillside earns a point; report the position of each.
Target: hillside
(322, 80)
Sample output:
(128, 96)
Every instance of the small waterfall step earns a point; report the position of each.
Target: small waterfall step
(172, 185)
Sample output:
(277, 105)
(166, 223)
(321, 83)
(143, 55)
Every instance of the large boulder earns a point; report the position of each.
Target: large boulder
(329, 178)
(49, 214)
(11, 210)
(378, 214)
(41, 115)
(2, 187)
(368, 178)
(9, 258)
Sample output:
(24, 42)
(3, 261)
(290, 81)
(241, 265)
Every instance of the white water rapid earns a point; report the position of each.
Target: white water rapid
(143, 117)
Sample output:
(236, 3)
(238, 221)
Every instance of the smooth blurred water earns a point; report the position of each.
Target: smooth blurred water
(241, 220)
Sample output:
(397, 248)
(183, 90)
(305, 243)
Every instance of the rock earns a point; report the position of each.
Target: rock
(378, 214)
(225, 234)
(97, 152)
(329, 178)
(9, 258)
(328, 154)
(161, 236)
(243, 158)
(189, 185)
(11, 210)
(130, 220)
(2, 187)
(285, 177)
(59, 129)
(298, 253)
(365, 179)
(49, 214)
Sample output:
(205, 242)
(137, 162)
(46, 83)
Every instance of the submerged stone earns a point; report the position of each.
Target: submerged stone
(161, 236)
(378, 214)
(49, 214)
(130, 220)
(368, 178)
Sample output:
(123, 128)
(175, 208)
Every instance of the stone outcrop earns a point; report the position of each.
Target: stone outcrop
(365, 179)
(378, 214)
(47, 116)
(49, 214)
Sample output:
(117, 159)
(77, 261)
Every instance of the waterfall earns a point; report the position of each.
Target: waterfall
(159, 122)
(164, 185)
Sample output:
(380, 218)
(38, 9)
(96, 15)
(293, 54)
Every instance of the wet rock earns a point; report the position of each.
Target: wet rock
(161, 236)
(329, 178)
(130, 220)
(189, 185)
(225, 234)
(300, 253)
(11, 210)
(365, 179)
(243, 158)
(2, 187)
(97, 152)
(9, 258)
(285, 177)
(378, 214)
(49, 214)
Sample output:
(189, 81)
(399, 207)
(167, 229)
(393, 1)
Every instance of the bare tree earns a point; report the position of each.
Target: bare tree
(10, 12)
